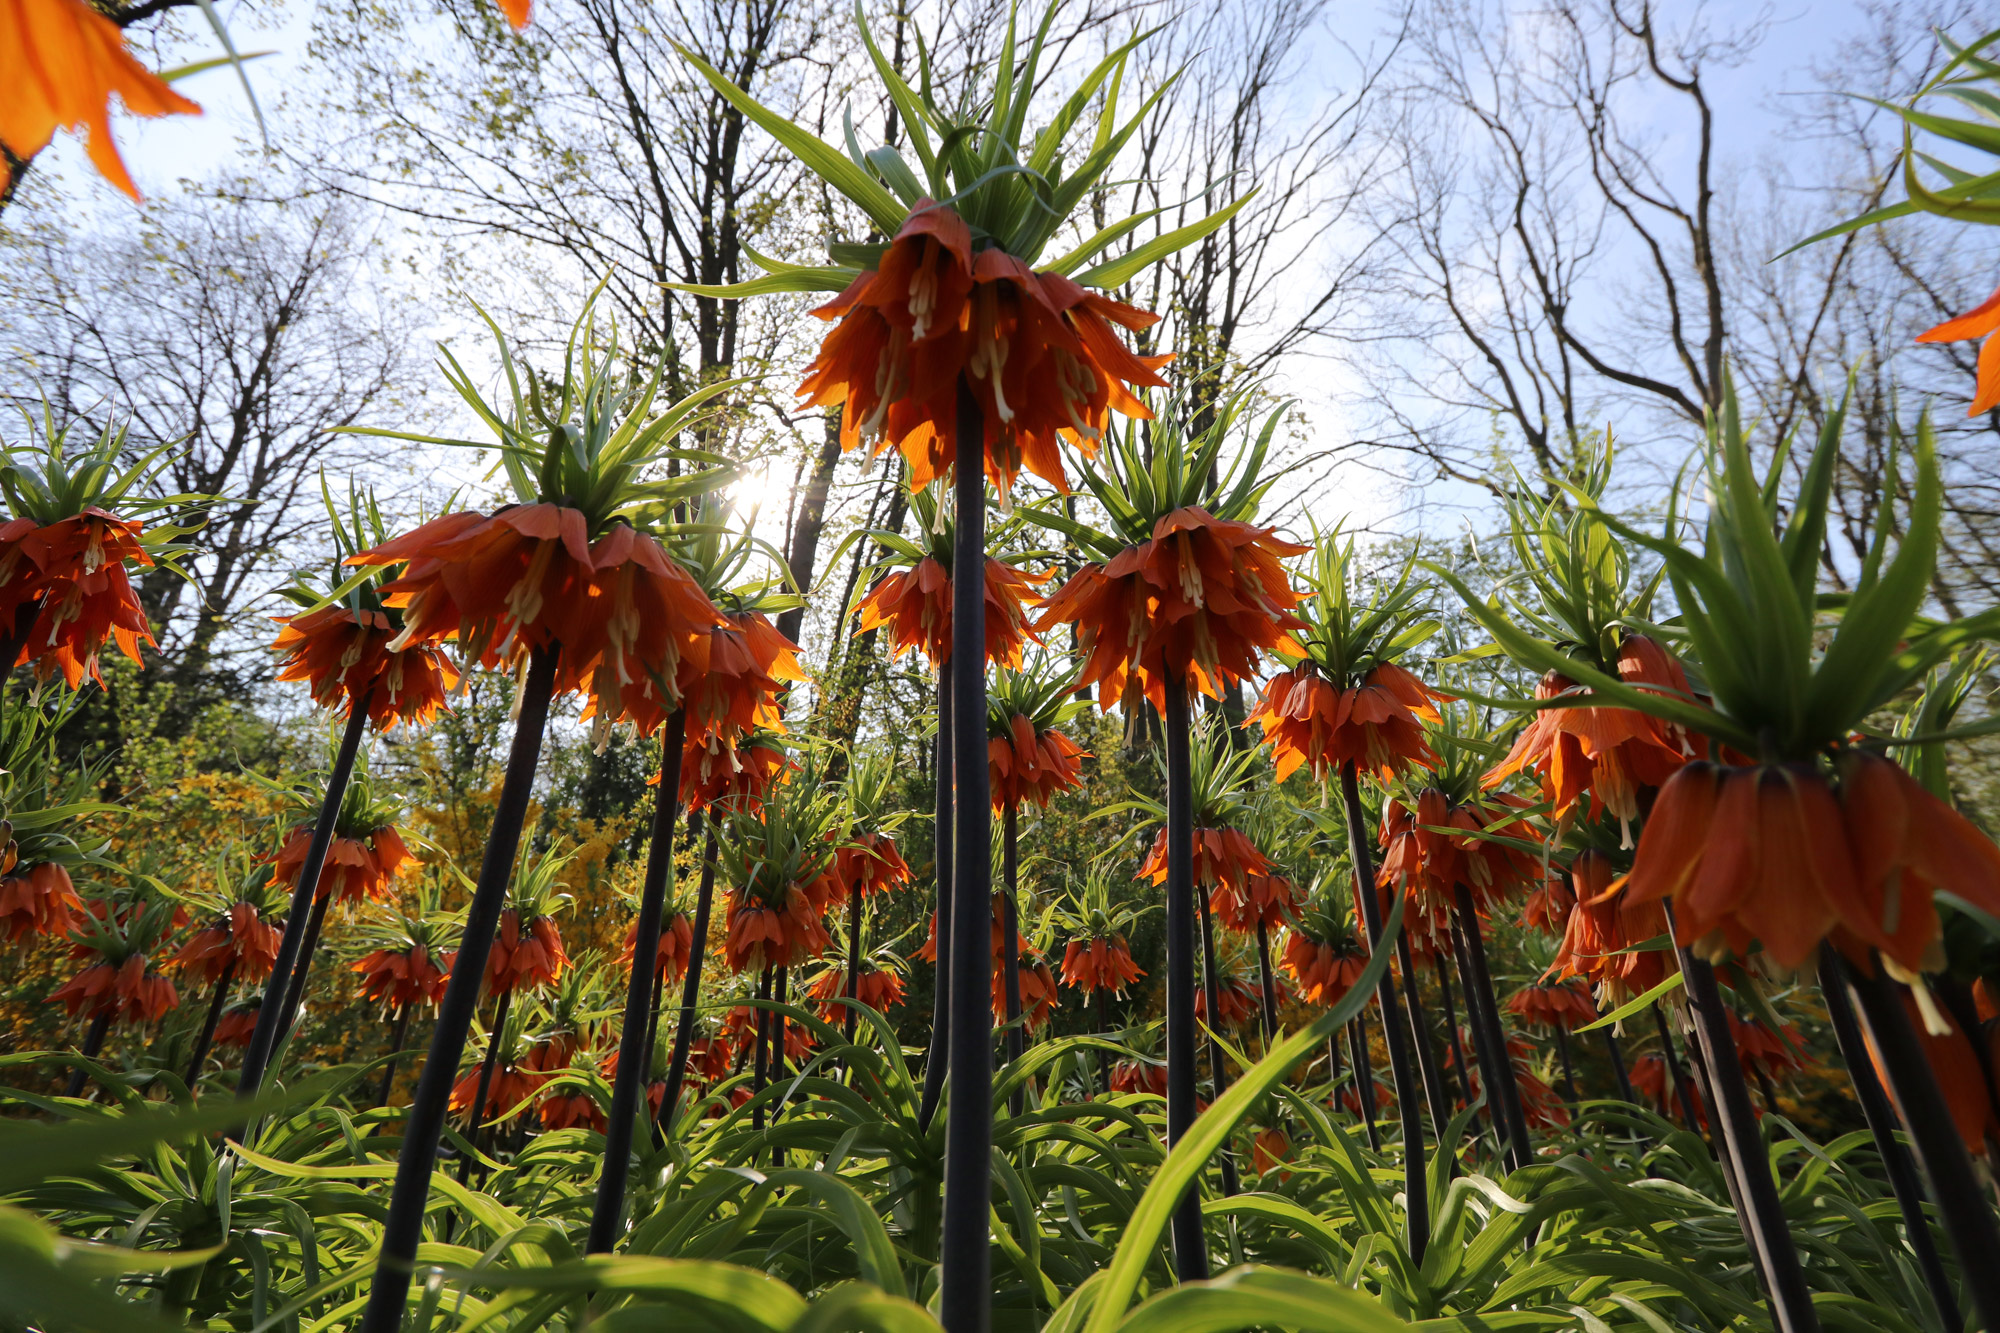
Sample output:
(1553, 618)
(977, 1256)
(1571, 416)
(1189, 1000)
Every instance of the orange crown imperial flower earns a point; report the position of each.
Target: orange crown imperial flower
(355, 869)
(1029, 765)
(1553, 1006)
(1608, 752)
(675, 948)
(1600, 938)
(64, 62)
(1323, 970)
(786, 934)
(40, 901)
(1037, 984)
(870, 862)
(879, 988)
(1238, 997)
(1100, 964)
(343, 655)
(1221, 856)
(1037, 350)
(239, 944)
(75, 569)
(1196, 602)
(528, 957)
(915, 605)
(1376, 726)
(1270, 900)
(128, 991)
(734, 775)
(731, 676)
(398, 978)
(507, 1094)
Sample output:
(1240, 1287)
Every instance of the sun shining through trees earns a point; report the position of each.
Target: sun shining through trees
(897, 797)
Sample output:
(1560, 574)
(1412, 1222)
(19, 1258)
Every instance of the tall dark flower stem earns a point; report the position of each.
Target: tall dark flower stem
(1762, 1214)
(761, 1069)
(1270, 984)
(295, 985)
(1569, 1069)
(1420, 1038)
(635, 1053)
(93, 1042)
(404, 1226)
(207, 1037)
(691, 986)
(937, 1059)
(1967, 1217)
(781, 991)
(1190, 1245)
(1618, 1070)
(1451, 1030)
(855, 925)
(1482, 1054)
(1364, 1078)
(1010, 867)
(1682, 1090)
(399, 1031)
(1104, 1030)
(1333, 1072)
(1485, 1014)
(1417, 1197)
(476, 1133)
(1896, 1162)
(1218, 1072)
(272, 1020)
(964, 1287)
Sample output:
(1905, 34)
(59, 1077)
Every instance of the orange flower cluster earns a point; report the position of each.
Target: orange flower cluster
(878, 988)
(915, 605)
(1603, 928)
(1129, 1076)
(344, 657)
(64, 61)
(399, 978)
(1037, 350)
(1236, 995)
(733, 775)
(41, 901)
(1553, 1006)
(238, 1023)
(1547, 908)
(1761, 1050)
(729, 679)
(1197, 602)
(1653, 1081)
(1028, 765)
(355, 868)
(1429, 866)
(1377, 726)
(507, 1096)
(676, 946)
(73, 570)
(1221, 856)
(1100, 964)
(1771, 854)
(530, 957)
(1038, 988)
(573, 1108)
(1269, 899)
(1609, 752)
(739, 1030)
(1540, 1105)
(1323, 972)
(527, 576)
(1350, 1097)
(128, 991)
(764, 935)
(1268, 1149)
(871, 863)
(240, 940)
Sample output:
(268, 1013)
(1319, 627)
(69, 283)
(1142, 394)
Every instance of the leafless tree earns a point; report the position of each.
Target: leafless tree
(245, 337)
